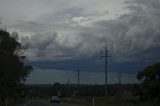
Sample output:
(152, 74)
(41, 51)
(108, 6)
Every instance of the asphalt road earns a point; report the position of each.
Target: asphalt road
(45, 103)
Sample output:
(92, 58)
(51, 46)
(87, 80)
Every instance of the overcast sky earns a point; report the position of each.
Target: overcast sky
(66, 35)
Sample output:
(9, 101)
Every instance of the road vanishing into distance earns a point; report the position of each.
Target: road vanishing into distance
(45, 103)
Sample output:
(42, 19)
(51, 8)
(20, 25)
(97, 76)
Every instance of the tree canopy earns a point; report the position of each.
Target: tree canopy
(150, 85)
(151, 72)
(13, 70)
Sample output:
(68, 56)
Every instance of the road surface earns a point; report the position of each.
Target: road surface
(45, 103)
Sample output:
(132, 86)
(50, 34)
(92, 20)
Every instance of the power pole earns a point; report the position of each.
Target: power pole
(68, 87)
(119, 78)
(106, 73)
(68, 82)
(78, 86)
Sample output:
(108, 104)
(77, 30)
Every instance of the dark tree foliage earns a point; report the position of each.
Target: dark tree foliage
(13, 70)
(150, 86)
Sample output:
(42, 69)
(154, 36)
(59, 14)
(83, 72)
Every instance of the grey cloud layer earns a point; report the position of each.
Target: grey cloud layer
(133, 36)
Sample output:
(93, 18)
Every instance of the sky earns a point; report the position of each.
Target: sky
(67, 35)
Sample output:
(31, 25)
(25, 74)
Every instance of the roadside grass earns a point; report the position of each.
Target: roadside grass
(12, 102)
(109, 101)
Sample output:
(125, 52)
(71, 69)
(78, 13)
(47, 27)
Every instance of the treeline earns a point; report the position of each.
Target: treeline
(65, 90)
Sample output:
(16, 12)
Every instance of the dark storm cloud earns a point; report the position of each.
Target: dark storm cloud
(133, 36)
(89, 65)
(132, 39)
(49, 47)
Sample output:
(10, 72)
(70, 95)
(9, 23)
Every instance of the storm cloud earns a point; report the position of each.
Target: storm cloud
(70, 35)
(66, 35)
(133, 36)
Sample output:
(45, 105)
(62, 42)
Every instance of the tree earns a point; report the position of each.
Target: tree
(150, 85)
(13, 70)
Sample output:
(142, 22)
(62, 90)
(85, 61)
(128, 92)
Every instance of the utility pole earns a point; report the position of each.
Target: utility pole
(68, 87)
(119, 78)
(68, 82)
(78, 86)
(106, 73)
